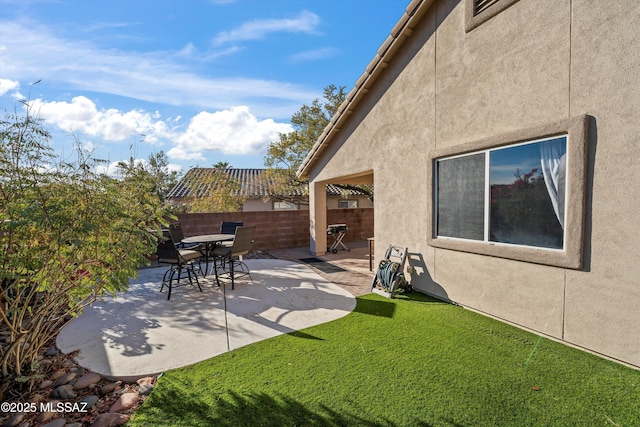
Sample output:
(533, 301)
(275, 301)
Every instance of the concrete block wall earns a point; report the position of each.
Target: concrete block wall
(280, 229)
(359, 222)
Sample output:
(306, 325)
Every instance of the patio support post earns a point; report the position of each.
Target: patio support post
(318, 217)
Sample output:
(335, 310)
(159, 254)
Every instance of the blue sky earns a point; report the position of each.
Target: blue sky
(202, 80)
(506, 162)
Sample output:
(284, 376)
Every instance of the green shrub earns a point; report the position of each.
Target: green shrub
(68, 236)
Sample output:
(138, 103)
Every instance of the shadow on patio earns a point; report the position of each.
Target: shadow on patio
(140, 332)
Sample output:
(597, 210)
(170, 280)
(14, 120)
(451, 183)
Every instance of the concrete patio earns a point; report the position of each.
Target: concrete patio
(140, 333)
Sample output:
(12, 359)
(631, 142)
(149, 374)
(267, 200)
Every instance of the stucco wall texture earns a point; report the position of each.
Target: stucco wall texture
(538, 61)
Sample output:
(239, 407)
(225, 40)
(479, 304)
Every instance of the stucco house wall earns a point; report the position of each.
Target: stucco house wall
(535, 63)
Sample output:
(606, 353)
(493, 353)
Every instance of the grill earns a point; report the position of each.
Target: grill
(337, 231)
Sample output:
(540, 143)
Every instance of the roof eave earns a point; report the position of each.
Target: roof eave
(386, 51)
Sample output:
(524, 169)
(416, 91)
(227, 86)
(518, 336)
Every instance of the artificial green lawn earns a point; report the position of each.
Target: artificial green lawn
(411, 361)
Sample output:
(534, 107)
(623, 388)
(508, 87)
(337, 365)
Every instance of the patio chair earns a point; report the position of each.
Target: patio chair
(229, 227)
(179, 260)
(177, 235)
(231, 257)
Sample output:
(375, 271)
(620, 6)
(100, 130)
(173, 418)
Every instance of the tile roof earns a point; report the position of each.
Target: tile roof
(254, 184)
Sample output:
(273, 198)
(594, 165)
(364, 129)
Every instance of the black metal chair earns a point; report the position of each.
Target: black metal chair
(179, 260)
(230, 257)
(229, 227)
(175, 231)
(177, 235)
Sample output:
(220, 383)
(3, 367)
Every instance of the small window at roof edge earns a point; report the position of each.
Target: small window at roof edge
(480, 11)
(480, 6)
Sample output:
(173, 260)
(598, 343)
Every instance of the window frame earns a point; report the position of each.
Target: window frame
(576, 131)
(348, 201)
(293, 206)
(485, 204)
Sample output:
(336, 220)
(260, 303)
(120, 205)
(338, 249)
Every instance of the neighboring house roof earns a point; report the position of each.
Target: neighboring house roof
(403, 28)
(254, 184)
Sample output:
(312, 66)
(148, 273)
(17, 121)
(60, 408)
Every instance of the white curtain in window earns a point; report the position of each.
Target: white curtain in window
(553, 158)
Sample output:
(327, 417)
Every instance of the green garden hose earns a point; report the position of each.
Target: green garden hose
(387, 273)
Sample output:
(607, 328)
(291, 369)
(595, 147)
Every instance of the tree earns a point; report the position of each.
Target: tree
(214, 190)
(157, 167)
(68, 236)
(221, 165)
(165, 179)
(285, 155)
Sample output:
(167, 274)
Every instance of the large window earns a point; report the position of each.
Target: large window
(520, 195)
(511, 195)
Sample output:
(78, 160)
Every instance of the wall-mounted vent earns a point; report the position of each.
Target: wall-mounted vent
(480, 6)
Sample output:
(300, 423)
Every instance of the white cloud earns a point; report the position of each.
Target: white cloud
(7, 85)
(314, 55)
(31, 51)
(234, 131)
(89, 146)
(172, 167)
(112, 168)
(305, 22)
(179, 153)
(82, 116)
(192, 53)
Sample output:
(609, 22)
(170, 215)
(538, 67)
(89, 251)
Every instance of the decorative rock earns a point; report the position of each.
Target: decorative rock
(78, 371)
(46, 416)
(46, 362)
(14, 420)
(64, 380)
(108, 388)
(51, 351)
(86, 380)
(36, 398)
(110, 419)
(90, 401)
(126, 401)
(45, 384)
(68, 363)
(57, 375)
(145, 389)
(64, 392)
(60, 422)
(146, 380)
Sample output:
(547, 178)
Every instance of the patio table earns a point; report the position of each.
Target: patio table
(210, 241)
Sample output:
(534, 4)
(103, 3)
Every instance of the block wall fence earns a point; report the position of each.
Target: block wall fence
(281, 229)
